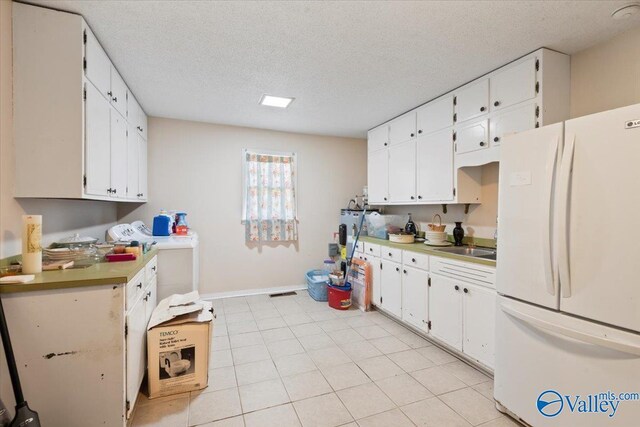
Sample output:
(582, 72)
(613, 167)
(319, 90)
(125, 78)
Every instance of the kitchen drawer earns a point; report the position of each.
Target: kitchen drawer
(135, 288)
(358, 255)
(392, 254)
(464, 271)
(372, 249)
(360, 246)
(415, 259)
(151, 269)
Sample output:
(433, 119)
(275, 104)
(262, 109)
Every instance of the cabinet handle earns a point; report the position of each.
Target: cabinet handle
(109, 190)
(385, 198)
(481, 143)
(149, 294)
(404, 271)
(456, 287)
(385, 144)
(390, 254)
(496, 139)
(397, 268)
(114, 99)
(482, 109)
(139, 286)
(466, 291)
(495, 104)
(154, 268)
(412, 135)
(114, 191)
(419, 130)
(413, 198)
(413, 260)
(419, 197)
(110, 94)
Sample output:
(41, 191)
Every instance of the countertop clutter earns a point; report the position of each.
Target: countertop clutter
(103, 273)
(421, 247)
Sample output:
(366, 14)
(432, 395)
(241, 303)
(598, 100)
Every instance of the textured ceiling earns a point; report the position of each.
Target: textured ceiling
(350, 65)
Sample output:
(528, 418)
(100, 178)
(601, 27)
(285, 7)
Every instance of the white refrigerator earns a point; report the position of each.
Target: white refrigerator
(568, 273)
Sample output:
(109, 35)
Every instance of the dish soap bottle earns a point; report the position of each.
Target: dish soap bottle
(410, 227)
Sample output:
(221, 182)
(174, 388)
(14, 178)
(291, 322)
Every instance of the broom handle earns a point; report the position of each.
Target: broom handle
(11, 360)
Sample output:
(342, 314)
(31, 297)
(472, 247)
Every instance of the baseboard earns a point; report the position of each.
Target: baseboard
(249, 292)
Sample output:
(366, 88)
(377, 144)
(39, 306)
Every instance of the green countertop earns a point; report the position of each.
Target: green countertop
(104, 273)
(421, 247)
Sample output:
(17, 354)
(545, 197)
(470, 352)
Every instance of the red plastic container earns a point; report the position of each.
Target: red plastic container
(340, 300)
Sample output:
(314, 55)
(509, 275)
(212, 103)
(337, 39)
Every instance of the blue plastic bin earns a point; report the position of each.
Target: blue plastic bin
(317, 282)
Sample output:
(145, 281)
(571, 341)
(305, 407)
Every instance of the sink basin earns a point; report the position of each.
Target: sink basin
(470, 252)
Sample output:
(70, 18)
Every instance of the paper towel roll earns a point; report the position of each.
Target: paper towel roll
(31, 244)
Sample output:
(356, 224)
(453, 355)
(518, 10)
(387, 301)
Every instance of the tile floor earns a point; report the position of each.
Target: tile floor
(292, 361)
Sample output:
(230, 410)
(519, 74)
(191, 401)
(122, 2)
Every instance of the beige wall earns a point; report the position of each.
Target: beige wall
(607, 75)
(60, 217)
(196, 167)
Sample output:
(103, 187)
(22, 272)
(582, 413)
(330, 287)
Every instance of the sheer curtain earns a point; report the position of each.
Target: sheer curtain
(270, 210)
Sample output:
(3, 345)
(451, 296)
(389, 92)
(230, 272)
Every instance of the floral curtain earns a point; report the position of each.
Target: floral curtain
(270, 205)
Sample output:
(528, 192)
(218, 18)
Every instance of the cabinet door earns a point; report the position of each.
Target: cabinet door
(378, 176)
(472, 101)
(435, 115)
(378, 138)
(391, 289)
(142, 168)
(133, 163)
(472, 137)
(415, 285)
(375, 279)
(98, 65)
(515, 84)
(479, 311)
(143, 123)
(445, 310)
(518, 119)
(402, 172)
(150, 299)
(403, 128)
(118, 92)
(97, 160)
(435, 166)
(118, 154)
(136, 351)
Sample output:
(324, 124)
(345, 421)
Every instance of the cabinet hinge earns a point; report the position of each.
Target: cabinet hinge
(84, 37)
(380, 266)
(455, 100)
(538, 111)
(429, 282)
(380, 300)
(454, 192)
(84, 64)
(429, 324)
(455, 117)
(126, 329)
(84, 94)
(537, 124)
(537, 87)
(455, 136)
(84, 180)
(537, 65)
(455, 148)
(128, 406)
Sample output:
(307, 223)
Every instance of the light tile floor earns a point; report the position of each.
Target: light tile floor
(292, 361)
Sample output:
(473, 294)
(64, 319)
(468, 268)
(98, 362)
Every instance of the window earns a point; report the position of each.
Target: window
(269, 205)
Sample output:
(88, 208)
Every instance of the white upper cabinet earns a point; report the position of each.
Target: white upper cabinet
(378, 176)
(514, 84)
(378, 138)
(97, 65)
(472, 100)
(403, 128)
(142, 169)
(473, 136)
(402, 172)
(98, 144)
(515, 119)
(435, 116)
(136, 116)
(118, 92)
(70, 107)
(132, 163)
(434, 163)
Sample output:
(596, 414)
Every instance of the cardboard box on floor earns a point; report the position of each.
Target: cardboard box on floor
(178, 345)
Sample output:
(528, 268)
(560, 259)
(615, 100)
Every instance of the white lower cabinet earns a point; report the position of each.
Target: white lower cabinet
(415, 285)
(445, 310)
(391, 287)
(136, 330)
(376, 271)
(479, 308)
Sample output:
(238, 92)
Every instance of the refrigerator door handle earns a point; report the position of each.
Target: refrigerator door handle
(572, 333)
(563, 217)
(546, 224)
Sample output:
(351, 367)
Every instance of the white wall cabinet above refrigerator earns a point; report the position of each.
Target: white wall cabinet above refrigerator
(529, 92)
(71, 118)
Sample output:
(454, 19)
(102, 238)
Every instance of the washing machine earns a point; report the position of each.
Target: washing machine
(178, 258)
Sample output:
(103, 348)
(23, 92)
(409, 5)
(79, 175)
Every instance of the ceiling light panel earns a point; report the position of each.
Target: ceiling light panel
(275, 101)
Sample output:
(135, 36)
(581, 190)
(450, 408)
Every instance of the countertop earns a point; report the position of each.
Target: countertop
(104, 273)
(421, 247)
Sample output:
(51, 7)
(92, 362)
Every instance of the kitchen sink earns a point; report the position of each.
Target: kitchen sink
(470, 252)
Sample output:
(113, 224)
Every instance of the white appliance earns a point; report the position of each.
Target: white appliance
(178, 258)
(568, 273)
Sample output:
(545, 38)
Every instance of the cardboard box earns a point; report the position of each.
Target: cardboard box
(178, 345)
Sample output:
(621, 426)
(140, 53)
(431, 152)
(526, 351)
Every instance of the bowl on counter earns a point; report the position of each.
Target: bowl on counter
(402, 238)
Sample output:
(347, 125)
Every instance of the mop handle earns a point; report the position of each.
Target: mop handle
(355, 243)
(11, 360)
